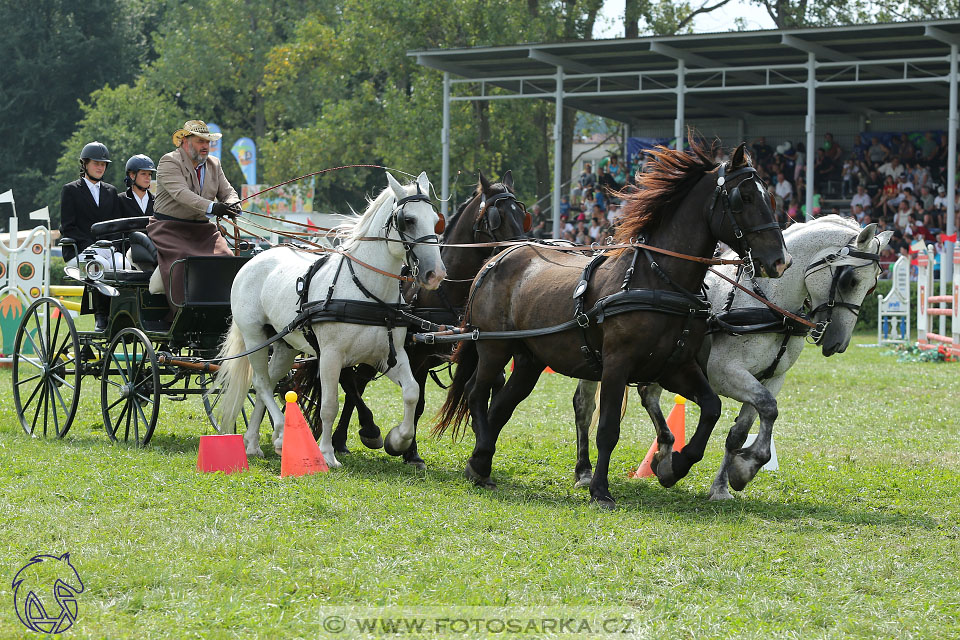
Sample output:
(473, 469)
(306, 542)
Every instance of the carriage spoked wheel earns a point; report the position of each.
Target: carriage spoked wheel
(46, 373)
(211, 406)
(130, 388)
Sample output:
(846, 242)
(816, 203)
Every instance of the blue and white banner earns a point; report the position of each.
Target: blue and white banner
(245, 151)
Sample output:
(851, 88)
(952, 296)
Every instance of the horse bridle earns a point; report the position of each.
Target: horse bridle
(400, 224)
(490, 217)
(841, 259)
(732, 206)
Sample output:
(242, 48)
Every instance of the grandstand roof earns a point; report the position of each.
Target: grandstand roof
(868, 69)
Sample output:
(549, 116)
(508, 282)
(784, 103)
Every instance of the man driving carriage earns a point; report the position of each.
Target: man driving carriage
(191, 189)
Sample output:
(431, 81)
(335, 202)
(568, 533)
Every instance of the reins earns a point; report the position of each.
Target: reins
(769, 304)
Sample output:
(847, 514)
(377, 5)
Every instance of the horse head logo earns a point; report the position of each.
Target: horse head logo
(45, 594)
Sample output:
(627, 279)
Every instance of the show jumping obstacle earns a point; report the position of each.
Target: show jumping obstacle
(949, 306)
(893, 309)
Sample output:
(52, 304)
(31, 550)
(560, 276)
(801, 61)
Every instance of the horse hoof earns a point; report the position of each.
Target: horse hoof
(372, 443)
(720, 495)
(477, 479)
(664, 472)
(417, 464)
(341, 450)
(414, 461)
(740, 473)
(255, 453)
(604, 502)
(583, 480)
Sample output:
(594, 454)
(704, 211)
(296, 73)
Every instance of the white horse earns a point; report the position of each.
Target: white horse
(264, 299)
(835, 265)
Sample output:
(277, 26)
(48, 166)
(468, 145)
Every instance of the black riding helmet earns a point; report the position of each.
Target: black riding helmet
(93, 151)
(139, 162)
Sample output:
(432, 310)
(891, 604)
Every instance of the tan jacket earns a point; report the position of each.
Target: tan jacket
(178, 192)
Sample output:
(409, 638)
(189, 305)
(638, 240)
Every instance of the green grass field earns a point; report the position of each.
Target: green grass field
(857, 534)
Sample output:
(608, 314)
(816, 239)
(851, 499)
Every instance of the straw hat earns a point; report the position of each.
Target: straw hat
(194, 128)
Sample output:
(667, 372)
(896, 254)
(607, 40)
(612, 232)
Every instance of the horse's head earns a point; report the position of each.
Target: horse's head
(499, 215)
(418, 226)
(742, 216)
(838, 281)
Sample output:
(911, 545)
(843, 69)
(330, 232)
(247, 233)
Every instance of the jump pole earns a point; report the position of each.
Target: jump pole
(926, 311)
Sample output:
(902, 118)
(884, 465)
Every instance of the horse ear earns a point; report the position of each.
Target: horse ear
(424, 183)
(884, 238)
(738, 159)
(866, 235)
(485, 185)
(507, 180)
(395, 186)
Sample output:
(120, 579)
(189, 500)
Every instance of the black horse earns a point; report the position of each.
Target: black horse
(492, 213)
(635, 315)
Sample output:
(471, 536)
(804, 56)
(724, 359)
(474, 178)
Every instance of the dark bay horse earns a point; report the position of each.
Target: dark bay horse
(684, 204)
(492, 213)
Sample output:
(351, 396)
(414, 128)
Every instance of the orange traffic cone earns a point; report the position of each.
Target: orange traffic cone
(221, 453)
(300, 456)
(677, 423)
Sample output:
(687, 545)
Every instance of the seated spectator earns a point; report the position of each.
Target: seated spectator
(926, 198)
(919, 175)
(893, 168)
(822, 169)
(589, 199)
(877, 153)
(905, 149)
(613, 214)
(859, 149)
(783, 190)
(888, 192)
(887, 257)
(873, 184)
(564, 205)
(859, 214)
(928, 149)
(832, 150)
(861, 199)
(847, 173)
(901, 218)
(762, 152)
(940, 202)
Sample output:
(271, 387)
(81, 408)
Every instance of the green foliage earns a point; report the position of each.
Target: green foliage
(54, 52)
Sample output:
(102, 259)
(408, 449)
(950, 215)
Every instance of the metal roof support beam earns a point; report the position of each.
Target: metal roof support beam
(451, 67)
(826, 53)
(557, 153)
(445, 143)
(679, 54)
(681, 94)
(565, 63)
(943, 36)
(811, 126)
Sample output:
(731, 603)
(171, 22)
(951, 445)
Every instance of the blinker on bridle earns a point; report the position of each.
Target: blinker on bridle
(732, 203)
(401, 225)
(490, 213)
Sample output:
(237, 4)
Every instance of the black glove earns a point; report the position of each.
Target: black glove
(223, 210)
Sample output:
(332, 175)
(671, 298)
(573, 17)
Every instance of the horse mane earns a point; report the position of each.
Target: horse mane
(661, 188)
(847, 224)
(359, 227)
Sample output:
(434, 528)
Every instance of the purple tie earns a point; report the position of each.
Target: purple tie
(199, 166)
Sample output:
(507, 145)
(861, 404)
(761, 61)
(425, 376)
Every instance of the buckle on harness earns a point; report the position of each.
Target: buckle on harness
(428, 338)
(583, 320)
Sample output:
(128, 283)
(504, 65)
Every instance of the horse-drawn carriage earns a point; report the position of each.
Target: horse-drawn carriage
(145, 353)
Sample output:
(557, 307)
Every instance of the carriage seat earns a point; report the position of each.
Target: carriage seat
(111, 229)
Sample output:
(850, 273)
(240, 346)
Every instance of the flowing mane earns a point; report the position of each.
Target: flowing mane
(360, 227)
(661, 188)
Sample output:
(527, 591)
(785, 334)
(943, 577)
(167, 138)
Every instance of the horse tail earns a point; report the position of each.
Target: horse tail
(306, 382)
(233, 377)
(455, 409)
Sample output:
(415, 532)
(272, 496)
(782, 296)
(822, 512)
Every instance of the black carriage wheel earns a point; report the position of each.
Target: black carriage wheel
(130, 388)
(211, 400)
(46, 373)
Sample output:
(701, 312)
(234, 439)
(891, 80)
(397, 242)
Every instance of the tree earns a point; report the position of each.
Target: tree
(54, 52)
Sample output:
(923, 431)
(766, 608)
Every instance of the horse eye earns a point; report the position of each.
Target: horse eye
(409, 220)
